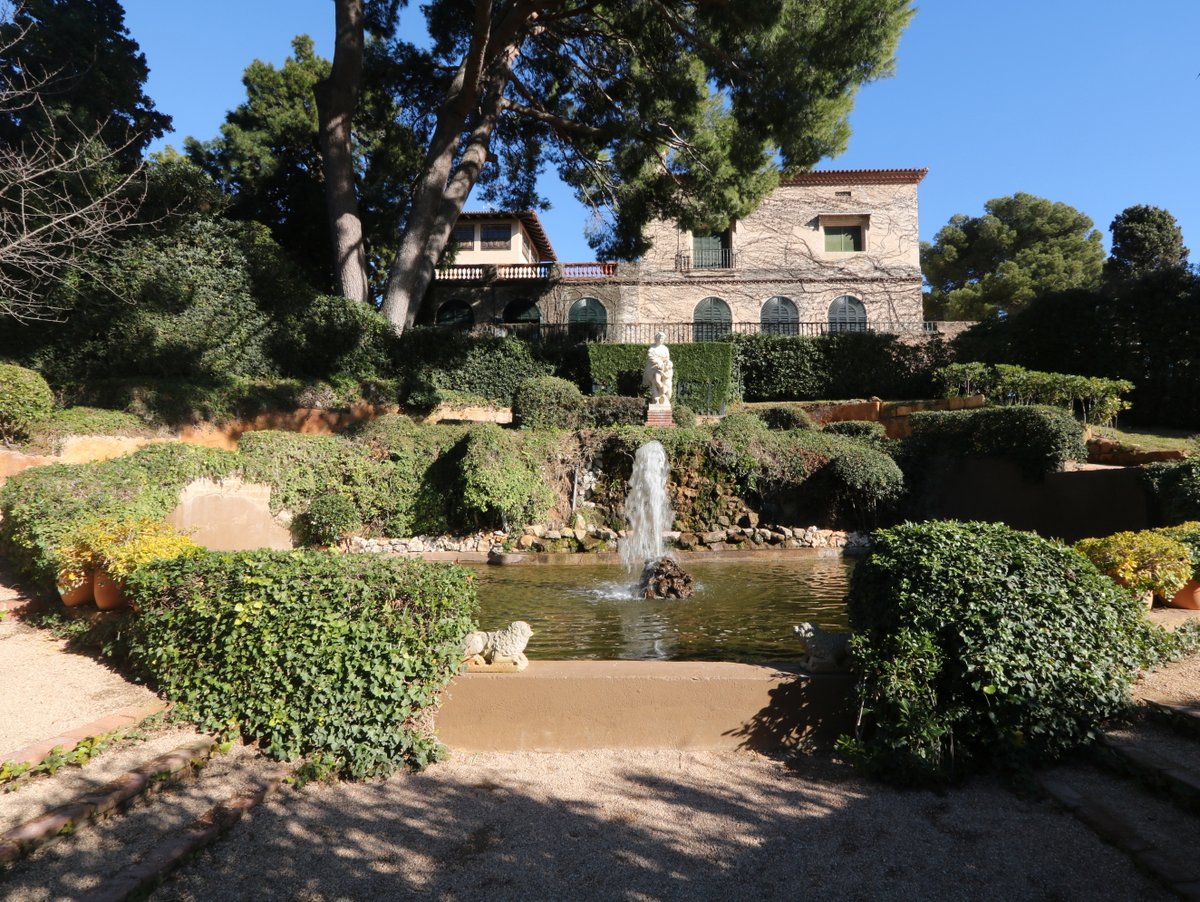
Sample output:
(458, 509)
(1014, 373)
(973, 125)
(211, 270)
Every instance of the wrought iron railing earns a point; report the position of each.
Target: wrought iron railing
(711, 258)
(686, 333)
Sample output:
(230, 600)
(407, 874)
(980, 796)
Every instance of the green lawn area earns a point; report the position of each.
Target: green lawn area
(1148, 439)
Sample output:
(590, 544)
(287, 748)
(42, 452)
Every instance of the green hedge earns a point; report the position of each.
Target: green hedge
(41, 505)
(1175, 488)
(1095, 400)
(980, 644)
(331, 657)
(703, 373)
(50, 431)
(433, 361)
(617, 410)
(1038, 440)
(838, 366)
(501, 486)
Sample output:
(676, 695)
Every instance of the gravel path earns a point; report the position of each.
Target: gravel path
(653, 825)
(48, 690)
(1177, 683)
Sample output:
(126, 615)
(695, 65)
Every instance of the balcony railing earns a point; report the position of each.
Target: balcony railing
(480, 272)
(715, 258)
(686, 333)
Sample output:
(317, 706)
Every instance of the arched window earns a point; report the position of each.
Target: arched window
(588, 319)
(456, 314)
(711, 320)
(780, 317)
(847, 314)
(522, 310)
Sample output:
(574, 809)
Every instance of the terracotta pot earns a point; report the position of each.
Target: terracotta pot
(1188, 597)
(78, 592)
(110, 593)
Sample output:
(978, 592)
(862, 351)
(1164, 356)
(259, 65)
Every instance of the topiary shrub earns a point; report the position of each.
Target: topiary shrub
(615, 410)
(25, 398)
(330, 518)
(547, 402)
(784, 418)
(335, 657)
(980, 644)
(1147, 562)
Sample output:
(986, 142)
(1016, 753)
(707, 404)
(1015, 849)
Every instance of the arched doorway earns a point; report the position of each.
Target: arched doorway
(711, 320)
(780, 316)
(456, 314)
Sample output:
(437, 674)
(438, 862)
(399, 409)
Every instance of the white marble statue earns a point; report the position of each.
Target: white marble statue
(659, 374)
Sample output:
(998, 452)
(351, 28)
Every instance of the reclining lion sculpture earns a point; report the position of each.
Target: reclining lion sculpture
(505, 646)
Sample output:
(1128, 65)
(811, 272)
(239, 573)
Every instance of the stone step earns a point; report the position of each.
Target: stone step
(1157, 835)
(1182, 717)
(1161, 758)
(127, 853)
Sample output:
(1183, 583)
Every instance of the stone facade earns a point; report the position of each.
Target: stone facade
(784, 249)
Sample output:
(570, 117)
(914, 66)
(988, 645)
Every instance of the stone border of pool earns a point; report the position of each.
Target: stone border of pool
(557, 706)
(509, 558)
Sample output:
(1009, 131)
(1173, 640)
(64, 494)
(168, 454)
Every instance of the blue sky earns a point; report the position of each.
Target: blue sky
(1096, 104)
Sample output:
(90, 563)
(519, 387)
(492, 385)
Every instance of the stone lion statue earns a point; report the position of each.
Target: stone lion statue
(506, 646)
(824, 651)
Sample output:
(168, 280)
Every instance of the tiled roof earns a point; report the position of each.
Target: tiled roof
(532, 224)
(854, 177)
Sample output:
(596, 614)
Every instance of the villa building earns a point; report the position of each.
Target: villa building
(831, 250)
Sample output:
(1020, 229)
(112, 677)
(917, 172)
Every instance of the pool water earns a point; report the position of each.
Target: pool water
(742, 611)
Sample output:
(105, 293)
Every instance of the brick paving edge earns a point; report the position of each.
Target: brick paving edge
(126, 717)
(139, 781)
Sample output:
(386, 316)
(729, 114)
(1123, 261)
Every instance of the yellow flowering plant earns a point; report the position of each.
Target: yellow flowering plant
(1147, 561)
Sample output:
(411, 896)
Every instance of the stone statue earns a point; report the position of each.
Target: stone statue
(824, 651)
(659, 373)
(499, 650)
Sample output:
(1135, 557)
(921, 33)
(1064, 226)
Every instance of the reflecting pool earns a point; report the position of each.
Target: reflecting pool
(742, 610)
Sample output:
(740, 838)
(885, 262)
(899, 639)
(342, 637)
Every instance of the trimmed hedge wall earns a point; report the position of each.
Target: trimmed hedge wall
(333, 657)
(1038, 440)
(838, 366)
(703, 373)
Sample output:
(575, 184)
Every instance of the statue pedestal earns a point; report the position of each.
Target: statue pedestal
(659, 415)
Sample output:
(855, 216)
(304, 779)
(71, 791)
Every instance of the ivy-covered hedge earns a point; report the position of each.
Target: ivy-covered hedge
(703, 373)
(980, 644)
(501, 484)
(1038, 440)
(838, 366)
(331, 657)
(1093, 399)
(547, 402)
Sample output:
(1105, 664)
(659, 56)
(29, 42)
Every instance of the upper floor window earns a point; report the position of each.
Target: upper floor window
(712, 250)
(464, 236)
(456, 314)
(843, 238)
(496, 237)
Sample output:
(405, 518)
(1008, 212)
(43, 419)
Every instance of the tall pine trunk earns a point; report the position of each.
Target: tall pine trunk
(337, 99)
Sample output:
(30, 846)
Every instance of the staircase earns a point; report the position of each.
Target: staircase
(1140, 792)
(105, 833)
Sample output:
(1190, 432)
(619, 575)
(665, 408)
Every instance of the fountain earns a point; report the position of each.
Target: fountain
(648, 513)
